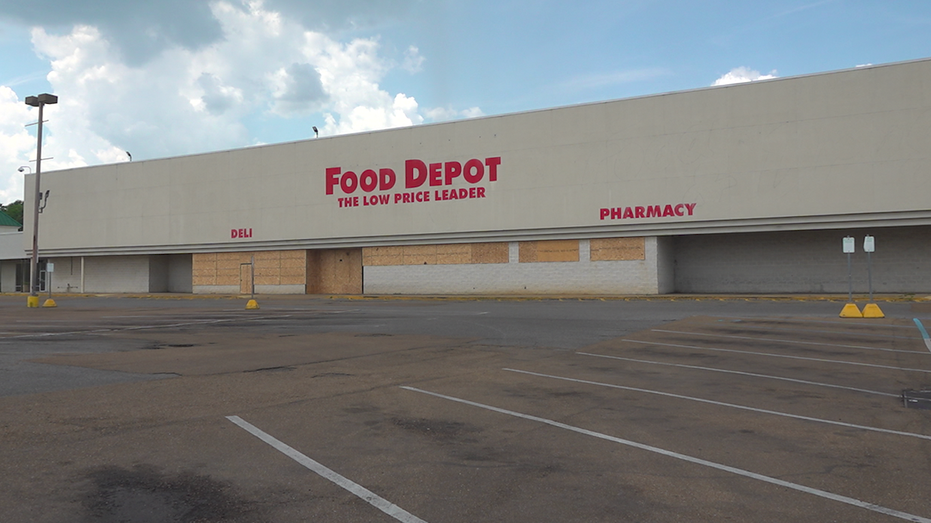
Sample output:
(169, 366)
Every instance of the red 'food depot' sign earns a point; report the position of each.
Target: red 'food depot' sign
(647, 211)
(417, 174)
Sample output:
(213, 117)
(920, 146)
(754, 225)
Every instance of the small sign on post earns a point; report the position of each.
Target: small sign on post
(868, 247)
(850, 245)
(870, 310)
(252, 304)
(850, 310)
(49, 269)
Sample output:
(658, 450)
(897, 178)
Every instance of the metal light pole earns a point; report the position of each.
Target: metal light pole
(37, 101)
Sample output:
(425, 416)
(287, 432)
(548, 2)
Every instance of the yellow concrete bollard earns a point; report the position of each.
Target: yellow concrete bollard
(32, 301)
(871, 310)
(50, 303)
(252, 305)
(851, 311)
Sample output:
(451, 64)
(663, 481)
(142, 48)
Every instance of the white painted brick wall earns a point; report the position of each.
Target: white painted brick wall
(7, 276)
(259, 289)
(513, 252)
(216, 289)
(67, 275)
(116, 274)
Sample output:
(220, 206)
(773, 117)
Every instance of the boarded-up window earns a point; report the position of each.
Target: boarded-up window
(490, 252)
(204, 269)
(374, 256)
(334, 271)
(618, 249)
(443, 254)
(549, 251)
(454, 254)
(419, 255)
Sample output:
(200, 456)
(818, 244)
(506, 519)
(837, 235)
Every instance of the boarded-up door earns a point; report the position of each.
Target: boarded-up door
(334, 271)
(245, 278)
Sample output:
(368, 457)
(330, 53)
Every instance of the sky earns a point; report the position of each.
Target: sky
(166, 78)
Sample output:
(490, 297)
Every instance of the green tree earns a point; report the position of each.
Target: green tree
(14, 210)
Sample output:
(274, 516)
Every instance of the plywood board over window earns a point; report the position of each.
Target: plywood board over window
(334, 271)
(549, 251)
(453, 254)
(442, 254)
(618, 249)
(419, 255)
(495, 252)
(382, 256)
(204, 269)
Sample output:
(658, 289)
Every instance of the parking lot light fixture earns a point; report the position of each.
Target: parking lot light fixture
(39, 101)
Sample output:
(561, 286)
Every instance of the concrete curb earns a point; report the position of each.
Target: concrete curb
(565, 297)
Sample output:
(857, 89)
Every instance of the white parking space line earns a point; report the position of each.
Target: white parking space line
(358, 490)
(751, 374)
(300, 310)
(730, 405)
(840, 323)
(143, 316)
(174, 317)
(110, 330)
(798, 342)
(924, 333)
(718, 349)
(843, 333)
(698, 461)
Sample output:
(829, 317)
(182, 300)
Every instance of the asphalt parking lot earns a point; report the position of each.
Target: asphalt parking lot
(448, 411)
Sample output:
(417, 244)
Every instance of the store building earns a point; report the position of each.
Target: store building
(10, 254)
(742, 188)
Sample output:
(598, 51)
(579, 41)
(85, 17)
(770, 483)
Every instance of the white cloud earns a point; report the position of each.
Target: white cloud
(217, 98)
(378, 112)
(413, 61)
(441, 114)
(193, 98)
(17, 146)
(742, 75)
(104, 103)
(140, 31)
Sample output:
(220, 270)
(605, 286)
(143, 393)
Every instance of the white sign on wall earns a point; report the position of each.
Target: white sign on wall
(869, 245)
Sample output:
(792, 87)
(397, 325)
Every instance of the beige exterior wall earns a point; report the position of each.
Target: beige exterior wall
(12, 245)
(615, 197)
(838, 149)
